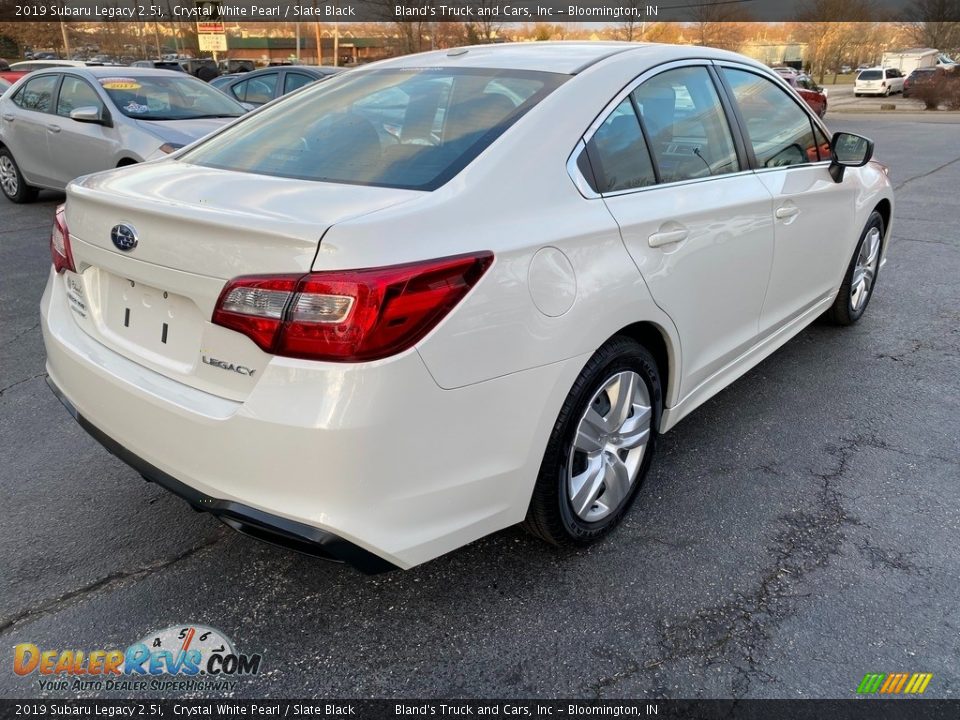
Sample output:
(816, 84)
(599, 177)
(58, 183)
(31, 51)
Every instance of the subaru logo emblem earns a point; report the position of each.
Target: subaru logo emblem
(124, 237)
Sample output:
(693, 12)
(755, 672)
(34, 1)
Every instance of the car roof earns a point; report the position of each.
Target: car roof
(51, 63)
(103, 71)
(565, 57)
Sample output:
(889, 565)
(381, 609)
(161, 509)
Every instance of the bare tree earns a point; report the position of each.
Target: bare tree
(832, 30)
(719, 24)
(631, 27)
(933, 23)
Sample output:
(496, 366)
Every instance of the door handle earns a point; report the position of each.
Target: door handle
(8, 117)
(787, 211)
(53, 128)
(659, 239)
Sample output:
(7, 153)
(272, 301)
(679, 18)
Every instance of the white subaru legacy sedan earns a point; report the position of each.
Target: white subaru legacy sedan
(450, 292)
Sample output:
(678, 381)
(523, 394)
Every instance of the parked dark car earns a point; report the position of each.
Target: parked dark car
(159, 64)
(921, 76)
(262, 86)
(237, 65)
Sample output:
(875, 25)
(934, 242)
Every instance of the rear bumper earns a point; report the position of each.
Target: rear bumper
(335, 459)
(247, 520)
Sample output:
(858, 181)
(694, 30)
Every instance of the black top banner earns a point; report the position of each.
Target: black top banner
(502, 709)
(478, 11)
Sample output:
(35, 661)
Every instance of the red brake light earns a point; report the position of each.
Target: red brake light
(60, 251)
(348, 315)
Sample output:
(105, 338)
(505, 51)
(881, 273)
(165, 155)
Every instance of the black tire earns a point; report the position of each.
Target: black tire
(844, 311)
(22, 193)
(551, 516)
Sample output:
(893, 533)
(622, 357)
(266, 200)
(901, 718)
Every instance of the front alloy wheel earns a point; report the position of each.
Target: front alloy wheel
(861, 276)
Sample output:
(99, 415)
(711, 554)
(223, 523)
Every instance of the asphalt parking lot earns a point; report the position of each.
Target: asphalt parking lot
(842, 99)
(798, 531)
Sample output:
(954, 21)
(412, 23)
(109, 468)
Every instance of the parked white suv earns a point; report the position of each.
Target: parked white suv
(450, 292)
(878, 81)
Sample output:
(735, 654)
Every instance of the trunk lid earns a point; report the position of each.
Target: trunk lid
(195, 228)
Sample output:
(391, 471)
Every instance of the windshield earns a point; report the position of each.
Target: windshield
(157, 97)
(870, 75)
(410, 128)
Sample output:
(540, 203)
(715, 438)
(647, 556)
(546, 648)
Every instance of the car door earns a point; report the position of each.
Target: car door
(79, 148)
(812, 215)
(895, 80)
(26, 119)
(695, 220)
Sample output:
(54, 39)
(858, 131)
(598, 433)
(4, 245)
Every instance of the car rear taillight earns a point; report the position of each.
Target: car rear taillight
(60, 251)
(348, 315)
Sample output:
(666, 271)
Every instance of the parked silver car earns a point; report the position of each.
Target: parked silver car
(59, 124)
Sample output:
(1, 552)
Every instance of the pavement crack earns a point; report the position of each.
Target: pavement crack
(112, 580)
(28, 227)
(926, 174)
(21, 382)
(928, 241)
(890, 559)
(736, 630)
(20, 334)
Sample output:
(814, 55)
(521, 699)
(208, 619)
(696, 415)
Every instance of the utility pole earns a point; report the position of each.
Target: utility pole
(156, 37)
(316, 32)
(298, 41)
(336, 43)
(66, 39)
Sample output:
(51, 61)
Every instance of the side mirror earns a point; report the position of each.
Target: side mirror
(848, 150)
(90, 114)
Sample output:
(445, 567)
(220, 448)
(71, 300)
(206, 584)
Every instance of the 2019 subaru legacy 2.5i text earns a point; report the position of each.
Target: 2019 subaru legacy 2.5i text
(450, 292)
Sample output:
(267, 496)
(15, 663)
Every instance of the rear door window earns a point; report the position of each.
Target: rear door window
(257, 90)
(686, 125)
(618, 153)
(294, 80)
(37, 94)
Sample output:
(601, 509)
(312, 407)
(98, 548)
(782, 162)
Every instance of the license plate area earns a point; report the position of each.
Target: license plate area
(154, 323)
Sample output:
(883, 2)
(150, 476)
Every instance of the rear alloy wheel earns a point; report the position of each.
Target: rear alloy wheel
(861, 277)
(12, 182)
(600, 447)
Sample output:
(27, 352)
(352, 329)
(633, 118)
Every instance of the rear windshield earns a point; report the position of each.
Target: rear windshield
(403, 128)
(870, 75)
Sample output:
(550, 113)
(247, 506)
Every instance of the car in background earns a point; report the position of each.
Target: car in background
(159, 65)
(237, 65)
(946, 62)
(31, 65)
(920, 77)
(59, 124)
(261, 86)
(381, 348)
(812, 94)
(878, 81)
(11, 76)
